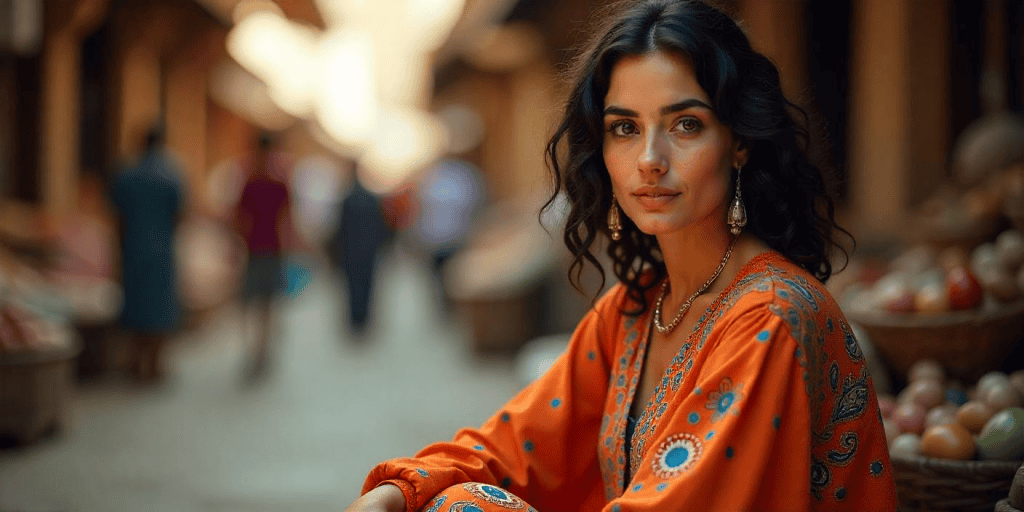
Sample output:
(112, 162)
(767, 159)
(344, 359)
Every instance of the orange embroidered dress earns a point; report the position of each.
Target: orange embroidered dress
(766, 407)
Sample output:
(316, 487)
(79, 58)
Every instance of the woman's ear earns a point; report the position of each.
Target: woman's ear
(741, 153)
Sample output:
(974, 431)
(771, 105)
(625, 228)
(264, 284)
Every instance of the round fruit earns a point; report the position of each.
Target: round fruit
(951, 441)
(909, 416)
(973, 415)
(926, 369)
(1002, 438)
(965, 291)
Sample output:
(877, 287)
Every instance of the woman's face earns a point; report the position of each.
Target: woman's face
(668, 156)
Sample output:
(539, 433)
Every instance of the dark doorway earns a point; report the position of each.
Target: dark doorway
(967, 17)
(828, 55)
(94, 108)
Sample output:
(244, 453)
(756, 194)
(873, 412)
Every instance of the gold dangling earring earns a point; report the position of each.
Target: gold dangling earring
(737, 212)
(614, 225)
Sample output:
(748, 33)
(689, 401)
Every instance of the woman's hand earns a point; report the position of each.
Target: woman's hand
(386, 498)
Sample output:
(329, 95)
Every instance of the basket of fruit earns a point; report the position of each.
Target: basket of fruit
(36, 360)
(954, 449)
(1015, 501)
(965, 311)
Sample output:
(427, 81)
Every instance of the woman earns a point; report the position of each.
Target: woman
(718, 374)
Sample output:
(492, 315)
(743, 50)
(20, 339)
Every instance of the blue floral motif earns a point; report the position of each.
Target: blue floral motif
(423, 473)
(763, 336)
(693, 418)
(591, 355)
(436, 503)
(677, 379)
(662, 486)
(465, 506)
(494, 495)
(637, 487)
(676, 455)
(876, 468)
(725, 400)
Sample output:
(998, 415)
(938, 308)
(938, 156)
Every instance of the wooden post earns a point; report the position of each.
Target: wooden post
(879, 122)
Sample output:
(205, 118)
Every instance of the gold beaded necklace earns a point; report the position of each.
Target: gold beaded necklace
(665, 329)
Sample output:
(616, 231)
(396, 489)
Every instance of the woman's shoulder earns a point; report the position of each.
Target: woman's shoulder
(774, 285)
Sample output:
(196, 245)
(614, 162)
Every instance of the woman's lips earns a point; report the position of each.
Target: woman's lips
(654, 198)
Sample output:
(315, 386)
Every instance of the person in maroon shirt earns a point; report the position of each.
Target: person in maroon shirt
(263, 219)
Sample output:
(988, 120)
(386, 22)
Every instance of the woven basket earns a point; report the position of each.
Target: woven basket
(929, 484)
(1016, 499)
(966, 343)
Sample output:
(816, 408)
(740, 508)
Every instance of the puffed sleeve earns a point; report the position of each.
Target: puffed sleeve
(540, 443)
(742, 437)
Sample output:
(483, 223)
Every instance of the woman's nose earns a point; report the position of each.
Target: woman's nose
(653, 158)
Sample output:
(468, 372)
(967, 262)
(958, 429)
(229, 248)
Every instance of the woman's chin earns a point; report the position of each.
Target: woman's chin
(656, 228)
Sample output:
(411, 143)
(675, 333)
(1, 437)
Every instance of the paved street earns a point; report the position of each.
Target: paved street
(301, 441)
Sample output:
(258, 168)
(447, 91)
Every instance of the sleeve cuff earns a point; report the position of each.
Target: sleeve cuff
(407, 490)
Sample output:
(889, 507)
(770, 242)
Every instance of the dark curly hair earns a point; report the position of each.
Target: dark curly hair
(788, 204)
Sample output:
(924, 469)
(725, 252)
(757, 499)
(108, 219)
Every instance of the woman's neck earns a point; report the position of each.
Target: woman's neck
(691, 258)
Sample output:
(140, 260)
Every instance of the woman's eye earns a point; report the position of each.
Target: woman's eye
(622, 129)
(688, 125)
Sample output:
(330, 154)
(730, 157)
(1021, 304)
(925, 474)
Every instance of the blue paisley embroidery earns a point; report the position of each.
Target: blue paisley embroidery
(842, 458)
(853, 400)
(802, 288)
(852, 347)
(833, 376)
(820, 477)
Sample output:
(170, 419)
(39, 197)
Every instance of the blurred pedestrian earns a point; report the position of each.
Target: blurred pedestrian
(361, 233)
(263, 219)
(148, 197)
(450, 197)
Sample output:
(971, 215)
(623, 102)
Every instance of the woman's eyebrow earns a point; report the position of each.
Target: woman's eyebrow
(613, 110)
(685, 104)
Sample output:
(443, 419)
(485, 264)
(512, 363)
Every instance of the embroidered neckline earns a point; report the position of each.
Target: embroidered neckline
(758, 263)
